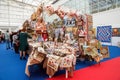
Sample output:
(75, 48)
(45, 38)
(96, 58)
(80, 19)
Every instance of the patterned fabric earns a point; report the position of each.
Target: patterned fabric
(105, 52)
(104, 33)
(39, 56)
(53, 62)
(67, 61)
(32, 24)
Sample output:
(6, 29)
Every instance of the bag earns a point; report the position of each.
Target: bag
(17, 43)
(34, 16)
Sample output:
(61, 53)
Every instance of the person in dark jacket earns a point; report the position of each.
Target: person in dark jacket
(23, 43)
(11, 40)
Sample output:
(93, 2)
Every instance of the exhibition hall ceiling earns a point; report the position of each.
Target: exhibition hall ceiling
(85, 6)
(37, 2)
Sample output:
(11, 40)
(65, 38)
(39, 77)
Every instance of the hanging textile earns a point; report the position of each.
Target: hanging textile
(104, 33)
(116, 32)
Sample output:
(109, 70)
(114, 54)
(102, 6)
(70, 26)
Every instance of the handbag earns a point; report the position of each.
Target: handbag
(17, 42)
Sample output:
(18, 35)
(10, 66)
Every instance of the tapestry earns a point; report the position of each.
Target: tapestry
(116, 32)
(67, 61)
(104, 33)
(53, 62)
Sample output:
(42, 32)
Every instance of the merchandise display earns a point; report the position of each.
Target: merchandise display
(60, 56)
(68, 22)
(55, 45)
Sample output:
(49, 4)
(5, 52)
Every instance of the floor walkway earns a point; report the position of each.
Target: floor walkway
(12, 68)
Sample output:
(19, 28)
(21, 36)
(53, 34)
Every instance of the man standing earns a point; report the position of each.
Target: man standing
(7, 39)
(11, 40)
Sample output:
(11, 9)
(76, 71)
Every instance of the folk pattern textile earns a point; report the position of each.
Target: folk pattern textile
(104, 33)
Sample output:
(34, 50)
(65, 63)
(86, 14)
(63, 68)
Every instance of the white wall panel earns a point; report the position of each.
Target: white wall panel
(111, 17)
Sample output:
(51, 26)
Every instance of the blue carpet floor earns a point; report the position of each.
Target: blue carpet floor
(12, 68)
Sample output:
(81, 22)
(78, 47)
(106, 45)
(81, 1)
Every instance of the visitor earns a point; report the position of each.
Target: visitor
(7, 39)
(11, 40)
(23, 43)
(15, 42)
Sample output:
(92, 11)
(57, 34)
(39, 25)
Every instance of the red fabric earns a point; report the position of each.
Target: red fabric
(45, 36)
(109, 70)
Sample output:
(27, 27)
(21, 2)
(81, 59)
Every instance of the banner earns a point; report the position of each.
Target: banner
(104, 33)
